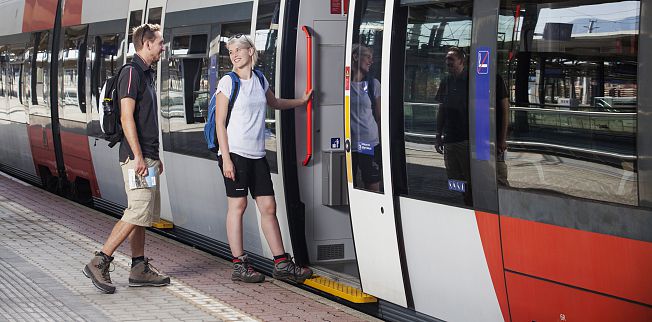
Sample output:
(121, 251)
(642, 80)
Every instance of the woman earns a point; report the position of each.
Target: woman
(243, 163)
(365, 119)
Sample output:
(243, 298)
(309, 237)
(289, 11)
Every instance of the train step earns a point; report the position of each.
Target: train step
(340, 290)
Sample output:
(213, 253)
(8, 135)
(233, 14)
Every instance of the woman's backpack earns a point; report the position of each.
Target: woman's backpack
(210, 130)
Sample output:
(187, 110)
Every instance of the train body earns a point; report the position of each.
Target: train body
(557, 228)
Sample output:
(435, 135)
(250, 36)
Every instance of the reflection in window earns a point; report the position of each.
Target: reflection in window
(571, 71)
(15, 83)
(39, 75)
(435, 96)
(72, 94)
(366, 55)
(266, 41)
(188, 94)
(154, 16)
(3, 91)
(105, 62)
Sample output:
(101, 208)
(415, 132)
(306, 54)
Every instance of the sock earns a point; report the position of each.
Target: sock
(107, 257)
(280, 258)
(239, 259)
(136, 260)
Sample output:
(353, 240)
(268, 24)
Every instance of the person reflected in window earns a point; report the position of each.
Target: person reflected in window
(452, 136)
(502, 129)
(365, 119)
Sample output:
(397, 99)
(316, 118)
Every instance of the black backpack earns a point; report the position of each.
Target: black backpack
(110, 115)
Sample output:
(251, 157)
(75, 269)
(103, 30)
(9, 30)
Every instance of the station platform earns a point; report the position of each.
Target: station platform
(46, 240)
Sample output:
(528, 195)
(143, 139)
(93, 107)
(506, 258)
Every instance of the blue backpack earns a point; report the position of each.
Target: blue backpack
(210, 130)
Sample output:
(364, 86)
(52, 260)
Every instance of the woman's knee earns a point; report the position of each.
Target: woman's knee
(238, 205)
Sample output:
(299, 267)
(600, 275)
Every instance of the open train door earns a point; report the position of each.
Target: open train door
(369, 177)
(150, 11)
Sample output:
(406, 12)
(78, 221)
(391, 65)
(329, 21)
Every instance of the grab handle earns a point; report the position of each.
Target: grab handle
(309, 106)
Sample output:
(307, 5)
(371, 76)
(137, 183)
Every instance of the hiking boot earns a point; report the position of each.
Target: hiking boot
(144, 274)
(98, 271)
(243, 271)
(286, 270)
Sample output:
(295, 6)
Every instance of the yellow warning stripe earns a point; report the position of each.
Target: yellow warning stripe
(340, 290)
(347, 136)
(163, 224)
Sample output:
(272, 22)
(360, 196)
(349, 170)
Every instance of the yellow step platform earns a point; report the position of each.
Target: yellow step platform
(163, 224)
(340, 290)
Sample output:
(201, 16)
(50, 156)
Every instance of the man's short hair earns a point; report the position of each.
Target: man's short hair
(144, 32)
(457, 52)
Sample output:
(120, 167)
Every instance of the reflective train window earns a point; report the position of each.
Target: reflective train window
(72, 68)
(571, 74)
(135, 19)
(15, 83)
(435, 102)
(366, 55)
(106, 59)
(188, 94)
(3, 92)
(38, 75)
(266, 42)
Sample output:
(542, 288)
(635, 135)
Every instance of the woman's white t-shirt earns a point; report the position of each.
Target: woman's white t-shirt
(246, 128)
(364, 128)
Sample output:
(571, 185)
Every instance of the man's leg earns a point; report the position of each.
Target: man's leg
(120, 232)
(137, 242)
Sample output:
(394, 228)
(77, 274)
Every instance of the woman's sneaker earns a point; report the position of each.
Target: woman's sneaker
(285, 269)
(243, 271)
(144, 274)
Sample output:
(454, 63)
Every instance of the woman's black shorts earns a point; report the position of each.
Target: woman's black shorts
(250, 174)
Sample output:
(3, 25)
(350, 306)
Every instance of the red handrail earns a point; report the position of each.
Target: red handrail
(308, 88)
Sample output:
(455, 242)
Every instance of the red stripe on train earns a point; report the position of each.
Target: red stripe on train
(607, 264)
(490, 236)
(531, 299)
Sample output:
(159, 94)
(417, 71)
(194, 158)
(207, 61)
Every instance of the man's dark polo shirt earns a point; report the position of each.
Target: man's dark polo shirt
(146, 112)
(453, 95)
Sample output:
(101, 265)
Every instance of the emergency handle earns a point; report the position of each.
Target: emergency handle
(306, 160)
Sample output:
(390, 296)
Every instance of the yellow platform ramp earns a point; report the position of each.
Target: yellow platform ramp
(163, 224)
(340, 290)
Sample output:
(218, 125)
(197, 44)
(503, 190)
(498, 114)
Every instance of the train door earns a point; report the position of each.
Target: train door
(140, 12)
(373, 217)
(439, 138)
(321, 176)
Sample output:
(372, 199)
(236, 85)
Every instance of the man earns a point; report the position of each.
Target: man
(138, 152)
(453, 121)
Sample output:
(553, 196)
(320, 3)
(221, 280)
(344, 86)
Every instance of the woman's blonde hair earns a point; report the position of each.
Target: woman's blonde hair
(243, 41)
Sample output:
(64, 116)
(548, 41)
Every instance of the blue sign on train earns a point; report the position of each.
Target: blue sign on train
(455, 185)
(335, 143)
(483, 62)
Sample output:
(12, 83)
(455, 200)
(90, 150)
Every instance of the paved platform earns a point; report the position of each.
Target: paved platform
(46, 240)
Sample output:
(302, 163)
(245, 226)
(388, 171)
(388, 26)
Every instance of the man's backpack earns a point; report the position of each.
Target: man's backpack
(210, 130)
(110, 113)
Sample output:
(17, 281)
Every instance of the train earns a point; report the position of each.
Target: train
(556, 228)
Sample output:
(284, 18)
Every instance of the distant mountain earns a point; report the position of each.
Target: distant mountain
(580, 26)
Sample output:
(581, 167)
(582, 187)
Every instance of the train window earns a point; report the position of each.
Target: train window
(571, 72)
(266, 41)
(135, 19)
(188, 94)
(15, 82)
(39, 75)
(105, 62)
(72, 96)
(154, 16)
(435, 102)
(3, 92)
(366, 55)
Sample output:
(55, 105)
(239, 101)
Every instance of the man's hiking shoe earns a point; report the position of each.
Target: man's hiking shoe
(286, 270)
(243, 271)
(98, 271)
(144, 274)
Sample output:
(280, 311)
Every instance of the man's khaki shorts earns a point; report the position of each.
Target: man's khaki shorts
(143, 205)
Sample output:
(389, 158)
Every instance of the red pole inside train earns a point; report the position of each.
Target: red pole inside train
(308, 88)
